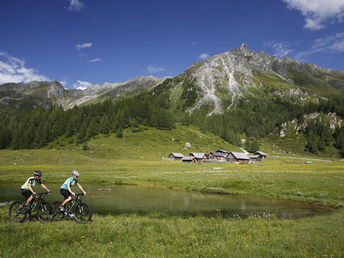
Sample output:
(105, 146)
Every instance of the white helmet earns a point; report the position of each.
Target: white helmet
(75, 173)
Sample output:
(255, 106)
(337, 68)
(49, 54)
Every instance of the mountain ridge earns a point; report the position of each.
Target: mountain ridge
(216, 84)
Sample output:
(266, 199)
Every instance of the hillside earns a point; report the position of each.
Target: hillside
(146, 143)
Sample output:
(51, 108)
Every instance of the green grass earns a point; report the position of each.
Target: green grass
(172, 236)
(159, 236)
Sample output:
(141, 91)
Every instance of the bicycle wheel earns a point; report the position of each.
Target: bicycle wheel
(83, 213)
(56, 205)
(45, 212)
(58, 215)
(16, 212)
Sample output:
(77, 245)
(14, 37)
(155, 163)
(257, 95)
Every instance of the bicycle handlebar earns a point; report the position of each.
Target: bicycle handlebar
(40, 194)
(79, 194)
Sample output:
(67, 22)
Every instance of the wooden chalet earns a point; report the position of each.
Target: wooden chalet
(220, 156)
(189, 160)
(175, 156)
(261, 154)
(238, 157)
(255, 158)
(200, 157)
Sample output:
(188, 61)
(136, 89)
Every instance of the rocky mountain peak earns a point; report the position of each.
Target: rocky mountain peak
(243, 47)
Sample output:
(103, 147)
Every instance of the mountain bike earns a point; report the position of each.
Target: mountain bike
(76, 209)
(40, 209)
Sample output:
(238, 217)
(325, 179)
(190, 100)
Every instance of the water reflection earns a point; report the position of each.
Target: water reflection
(143, 200)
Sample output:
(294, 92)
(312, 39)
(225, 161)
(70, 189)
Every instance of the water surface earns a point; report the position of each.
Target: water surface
(114, 199)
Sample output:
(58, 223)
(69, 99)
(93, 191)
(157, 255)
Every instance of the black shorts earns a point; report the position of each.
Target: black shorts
(26, 193)
(65, 193)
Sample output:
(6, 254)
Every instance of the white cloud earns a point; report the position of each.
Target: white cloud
(63, 83)
(154, 69)
(82, 85)
(83, 45)
(281, 49)
(204, 56)
(328, 44)
(13, 69)
(318, 13)
(94, 60)
(75, 5)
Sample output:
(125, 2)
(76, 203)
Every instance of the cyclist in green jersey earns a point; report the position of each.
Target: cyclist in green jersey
(27, 187)
(66, 191)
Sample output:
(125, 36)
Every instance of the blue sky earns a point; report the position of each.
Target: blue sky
(85, 42)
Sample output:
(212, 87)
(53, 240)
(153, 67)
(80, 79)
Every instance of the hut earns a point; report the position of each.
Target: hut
(220, 156)
(261, 154)
(255, 158)
(189, 160)
(175, 156)
(238, 157)
(200, 157)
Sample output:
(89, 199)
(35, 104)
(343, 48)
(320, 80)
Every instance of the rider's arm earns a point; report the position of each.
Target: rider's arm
(30, 188)
(80, 187)
(44, 187)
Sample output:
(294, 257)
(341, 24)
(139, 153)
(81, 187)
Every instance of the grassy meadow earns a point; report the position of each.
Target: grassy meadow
(137, 159)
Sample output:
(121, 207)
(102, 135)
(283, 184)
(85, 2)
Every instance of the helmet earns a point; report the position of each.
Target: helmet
(75, 173)
(37, 173)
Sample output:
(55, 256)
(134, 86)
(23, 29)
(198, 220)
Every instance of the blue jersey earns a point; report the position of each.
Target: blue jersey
(70, 181)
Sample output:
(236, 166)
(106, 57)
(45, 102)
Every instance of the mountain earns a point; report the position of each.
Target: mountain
(48, 94)
(221, 81)
(216, 84)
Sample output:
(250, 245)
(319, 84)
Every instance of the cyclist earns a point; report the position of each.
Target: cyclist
(27, 187)
(66, 191)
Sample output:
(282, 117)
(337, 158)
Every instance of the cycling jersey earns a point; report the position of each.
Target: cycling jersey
(31, 181)
(70, 181)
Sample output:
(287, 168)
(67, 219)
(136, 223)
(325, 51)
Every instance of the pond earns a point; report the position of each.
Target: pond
(115, 199)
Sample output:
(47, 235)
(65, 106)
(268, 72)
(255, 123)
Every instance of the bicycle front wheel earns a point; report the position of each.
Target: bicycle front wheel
(83, 213)
(45, 212)
(16, 212)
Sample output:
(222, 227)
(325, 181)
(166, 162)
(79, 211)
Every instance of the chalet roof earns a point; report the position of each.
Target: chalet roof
(177, 155)
(219, 154)
(188, 158)
(223, 151)
(254, 157)
(240, 155)
(198, 155)
(261, 153)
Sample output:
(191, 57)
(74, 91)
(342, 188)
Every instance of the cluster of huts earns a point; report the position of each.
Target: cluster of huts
(219, 156)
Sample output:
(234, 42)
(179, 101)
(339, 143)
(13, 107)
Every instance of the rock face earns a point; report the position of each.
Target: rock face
(33, 94)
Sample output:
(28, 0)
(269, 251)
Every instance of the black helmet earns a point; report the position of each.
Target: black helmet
(37, 173)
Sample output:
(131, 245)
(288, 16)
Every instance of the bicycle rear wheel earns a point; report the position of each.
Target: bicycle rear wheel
(45, 212)
(56, 205)
(83, 213)
(16, 212)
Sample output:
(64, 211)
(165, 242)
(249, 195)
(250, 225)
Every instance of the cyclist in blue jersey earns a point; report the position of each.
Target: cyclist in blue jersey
(27, 187)
(66, 191)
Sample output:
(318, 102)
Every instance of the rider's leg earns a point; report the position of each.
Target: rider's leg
(66, 201)
(28, 201)
(28, 196)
